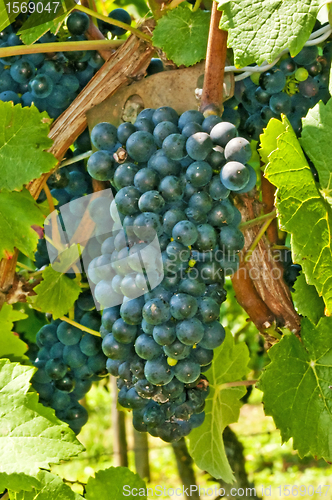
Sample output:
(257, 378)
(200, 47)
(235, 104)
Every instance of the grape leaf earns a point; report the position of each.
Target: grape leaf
(298, 382)
(18, 212)
(316, 142)
(307, 301)
(268, 140)
(50, 487)
(55, 294)
(188, 43)
(302, 211)
(31, 437)
(51, 19)
(10, 345)
(23, 141)
(114, 480)
(258, 30)
(6, 17)
(222, 407)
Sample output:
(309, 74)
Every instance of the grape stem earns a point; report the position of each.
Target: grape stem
(23, 266)
(257, 220)
(155, 9)
(174, 4)
(17, 50)
(81, 327)
(239, 383)
(120, 24)
(212, 95)
(259, 236)
(76, 159)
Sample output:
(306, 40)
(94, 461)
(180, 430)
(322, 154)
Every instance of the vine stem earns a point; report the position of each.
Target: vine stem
(81, 327)
(5, 496)
(212, 95)
(17, 50)
(120, 24)
(239, 383)
(259, 236)
(257, 220)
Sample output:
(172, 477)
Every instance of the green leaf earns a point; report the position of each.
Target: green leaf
(302, 212)
(258, 30)
(182, 35)
(23, 141)
(18, 212)
(56, 293)
(6, 18)
(10, 345)
(296, 383)
(268, 140)
(222, 407)
(31, 437)
(50, 487)
(316, 141)
(307, 301)
(113, 480)
(39, 23)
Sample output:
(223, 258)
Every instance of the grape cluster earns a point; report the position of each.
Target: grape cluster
(68, 361)
(172, 196)
(292, 87)
(50, 82)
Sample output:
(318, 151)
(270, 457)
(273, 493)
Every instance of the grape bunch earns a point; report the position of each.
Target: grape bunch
(68, 361)
(160, 322)
(51, 82)
(292, 87)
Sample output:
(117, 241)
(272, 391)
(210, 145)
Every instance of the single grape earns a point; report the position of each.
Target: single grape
(104, 136)
(187, 370)
(165, 113)
(234, 175)
(238, 149)
(273, 81)
(141, 146)
(158, 372)
(185, 232)
(222, 133)
(199, 173)
(144, 125)
(230, 239)
(280, 103)
(199, 145)
(119, 15)
(78, 23)
(101, 165)
(190, 331)
(214, 335)
(174, 146)
(156, 312)
(183, 306)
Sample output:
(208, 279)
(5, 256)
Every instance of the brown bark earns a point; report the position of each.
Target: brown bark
(268, 192)
(212, 96)
(258, 284)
